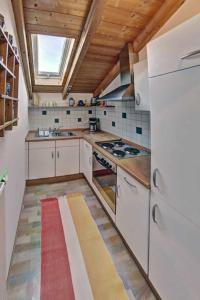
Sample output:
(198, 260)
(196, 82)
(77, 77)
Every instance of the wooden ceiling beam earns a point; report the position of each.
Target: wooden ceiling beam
(88, 32)
(20, 26)
(168, 8)
(47, 89)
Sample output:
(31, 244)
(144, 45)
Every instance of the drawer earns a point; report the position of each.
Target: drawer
(176, 49)
(128, 179)
(67, 143)
(41, 145)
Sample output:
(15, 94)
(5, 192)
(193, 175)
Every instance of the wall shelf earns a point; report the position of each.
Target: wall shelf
(9, 80)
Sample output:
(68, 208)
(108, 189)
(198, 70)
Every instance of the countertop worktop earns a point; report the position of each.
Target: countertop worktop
(138, 167)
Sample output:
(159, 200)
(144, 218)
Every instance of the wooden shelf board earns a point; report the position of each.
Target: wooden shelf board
(3, 66)
(2, 96)
(2, 33)
(8, 124)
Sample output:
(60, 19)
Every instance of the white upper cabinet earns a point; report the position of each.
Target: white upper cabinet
(177, 49)
(174, 258)
(141, 85)
(132, 215)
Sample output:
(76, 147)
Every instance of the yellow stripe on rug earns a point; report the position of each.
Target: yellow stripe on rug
(104, 280)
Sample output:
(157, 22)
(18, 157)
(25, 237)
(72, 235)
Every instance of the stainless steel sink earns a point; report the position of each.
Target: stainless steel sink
(61, 133)
(54, 133)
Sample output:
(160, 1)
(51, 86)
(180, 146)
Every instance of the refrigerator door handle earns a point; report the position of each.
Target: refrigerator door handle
(154, 213)
(154, 177)
(190, 54)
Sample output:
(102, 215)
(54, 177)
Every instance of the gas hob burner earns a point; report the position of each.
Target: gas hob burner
(118, 153)
(119, 143)
(107, 145)
(131, 150)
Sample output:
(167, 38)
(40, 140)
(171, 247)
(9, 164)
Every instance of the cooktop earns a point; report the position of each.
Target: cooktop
(120, 149)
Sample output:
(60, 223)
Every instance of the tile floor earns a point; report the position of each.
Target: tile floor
(24, 275)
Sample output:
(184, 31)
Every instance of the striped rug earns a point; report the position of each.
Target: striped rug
(84, 269)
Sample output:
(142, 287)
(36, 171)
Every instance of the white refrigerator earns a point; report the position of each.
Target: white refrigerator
(174, 84)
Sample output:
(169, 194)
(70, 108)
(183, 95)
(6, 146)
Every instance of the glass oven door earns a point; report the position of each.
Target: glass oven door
(105, 178)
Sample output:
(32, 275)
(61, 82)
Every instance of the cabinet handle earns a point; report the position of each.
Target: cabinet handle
(190, 54)
(137, 99)
(132, 185)
(154, 177)
(52, 154)
(58, 154)
(117, 190)
(154, 213)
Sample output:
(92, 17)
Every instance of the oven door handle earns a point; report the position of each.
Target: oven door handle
(99, 161)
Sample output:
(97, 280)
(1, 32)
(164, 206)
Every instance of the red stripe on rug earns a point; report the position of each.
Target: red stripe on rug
(56, 281)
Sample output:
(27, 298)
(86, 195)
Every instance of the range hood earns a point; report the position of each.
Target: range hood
(126, 90)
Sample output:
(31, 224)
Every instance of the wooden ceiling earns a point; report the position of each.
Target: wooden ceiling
(99, 38)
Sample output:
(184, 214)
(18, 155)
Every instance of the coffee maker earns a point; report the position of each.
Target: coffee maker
(93, 124)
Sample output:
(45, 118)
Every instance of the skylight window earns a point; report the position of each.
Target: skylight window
(50, 53)
(51, 56)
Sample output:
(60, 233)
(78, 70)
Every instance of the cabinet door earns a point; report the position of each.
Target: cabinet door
(82, 157)
(26, 161)
(141, 83)
(88, 161)
(132, 216)
(41, 163)
(175, 50)
(174, 259)
(67, 160)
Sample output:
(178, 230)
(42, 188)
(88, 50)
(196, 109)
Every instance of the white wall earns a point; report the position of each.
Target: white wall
(189, 9)
(12, 153)
(57, 97)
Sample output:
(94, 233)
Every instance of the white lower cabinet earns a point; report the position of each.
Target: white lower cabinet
(49, 158)
(67, 158)
(86, 160)
(41, 160)
(174, 260)
(132, 215)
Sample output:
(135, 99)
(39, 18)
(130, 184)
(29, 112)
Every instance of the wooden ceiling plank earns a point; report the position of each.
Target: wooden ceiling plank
(51, 30)
(33, 16)
(20, 25)
(87, 34)
(67, 7)
(168, 8)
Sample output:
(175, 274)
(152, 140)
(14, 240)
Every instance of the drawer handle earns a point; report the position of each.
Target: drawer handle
(58, 154)
(117, 190)
(52, 155)
(190, 54)
(154, 213)
(132, 185)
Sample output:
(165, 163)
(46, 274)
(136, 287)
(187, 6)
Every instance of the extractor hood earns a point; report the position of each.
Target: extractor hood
(126, 90)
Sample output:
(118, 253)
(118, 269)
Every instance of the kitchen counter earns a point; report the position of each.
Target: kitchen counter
(138, 167)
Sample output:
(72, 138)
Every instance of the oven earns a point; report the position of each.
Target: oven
(105, 178)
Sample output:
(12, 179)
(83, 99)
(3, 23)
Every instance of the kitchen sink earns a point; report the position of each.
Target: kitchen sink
(61, 133)
(54, 133)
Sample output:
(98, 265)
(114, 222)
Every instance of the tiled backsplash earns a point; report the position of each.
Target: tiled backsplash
(125, 122)
(121, 120)
(60, 117)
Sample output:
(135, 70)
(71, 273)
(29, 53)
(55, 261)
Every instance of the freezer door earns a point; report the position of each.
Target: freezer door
(175, 138)
(174, 258)
(175, 50)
